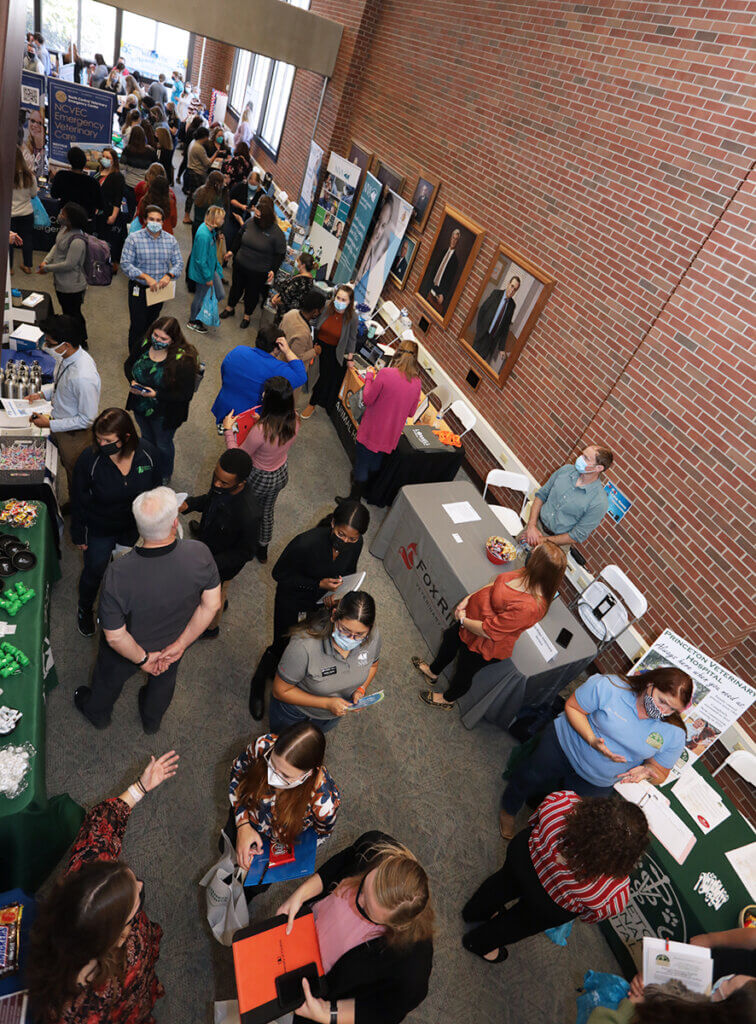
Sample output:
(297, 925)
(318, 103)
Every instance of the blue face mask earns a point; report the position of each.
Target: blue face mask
(339, 305)
(580, 464)
(106, 161)
(346, 643)
(159, 345)
(154, 226)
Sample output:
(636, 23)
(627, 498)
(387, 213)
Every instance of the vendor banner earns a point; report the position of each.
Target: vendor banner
(78, 116)
(309, 185)
(363, 215)
(32, 90)
(332, 211)
(378, 258)
(719, 697)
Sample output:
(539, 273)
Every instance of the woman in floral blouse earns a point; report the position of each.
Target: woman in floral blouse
(291, 291)
(93, 949)
(280, 787)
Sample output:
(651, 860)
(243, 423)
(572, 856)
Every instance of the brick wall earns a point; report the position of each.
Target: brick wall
(217, 65)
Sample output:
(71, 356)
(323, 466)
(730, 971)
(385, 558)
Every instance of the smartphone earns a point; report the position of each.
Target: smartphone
(289, 986)
(140, 388)
(564, 638)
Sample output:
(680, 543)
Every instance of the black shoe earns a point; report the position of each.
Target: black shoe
(225, 314)
(198, 326)
(262, 553)
(244, 323)
(470, 945)
(194, 528)
(210, 633)
(81, 696)
(86, 622)
(257, 706)
(149, 730)
(340, 500)
(225, 605)
(65, 508)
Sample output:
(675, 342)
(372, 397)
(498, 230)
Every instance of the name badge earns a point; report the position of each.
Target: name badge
(329, 671)
(655, 740)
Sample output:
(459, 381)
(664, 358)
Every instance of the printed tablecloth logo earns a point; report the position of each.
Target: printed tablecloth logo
(408, 554)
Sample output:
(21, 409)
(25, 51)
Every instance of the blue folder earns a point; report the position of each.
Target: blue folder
(303, 864)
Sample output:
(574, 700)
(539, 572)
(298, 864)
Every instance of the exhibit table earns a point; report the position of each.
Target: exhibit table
(677, 901)
(435, 562)
(34, 831)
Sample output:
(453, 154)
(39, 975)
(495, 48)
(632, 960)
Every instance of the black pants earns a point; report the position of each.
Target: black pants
(131, 204)
(285, 615)
(192, 182)
(328, 384)
(468, 662)
(141, 316)
(111, 671)
(96, 561)
(517, 880)
(70, 304)
(250, 283)
(24, 226)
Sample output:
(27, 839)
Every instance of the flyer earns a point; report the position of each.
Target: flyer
(333, 208)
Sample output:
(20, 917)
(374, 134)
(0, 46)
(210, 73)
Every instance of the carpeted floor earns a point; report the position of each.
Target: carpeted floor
(402, 767)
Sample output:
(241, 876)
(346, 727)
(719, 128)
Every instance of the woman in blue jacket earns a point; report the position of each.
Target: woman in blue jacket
(204, 264)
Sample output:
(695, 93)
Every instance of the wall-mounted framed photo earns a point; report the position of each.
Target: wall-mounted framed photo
(400, 271)
(391, 179)
(450, 258)
(360, 155)
(505, 311)
(423, 197)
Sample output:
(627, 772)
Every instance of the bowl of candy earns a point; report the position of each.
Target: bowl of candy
(500, 550)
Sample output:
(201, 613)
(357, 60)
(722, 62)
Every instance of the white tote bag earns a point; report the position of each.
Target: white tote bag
(227, 909)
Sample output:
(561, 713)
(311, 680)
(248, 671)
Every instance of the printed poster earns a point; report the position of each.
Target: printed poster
(378, 258)
(309, 185)
(719, 697)
(333, 208)
(78, 116)
(32, 90)
(363, 216)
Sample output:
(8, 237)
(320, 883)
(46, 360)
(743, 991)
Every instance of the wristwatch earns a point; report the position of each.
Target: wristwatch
(144, 659)
(334, 1012)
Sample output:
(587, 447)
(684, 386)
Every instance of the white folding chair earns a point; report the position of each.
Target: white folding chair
(743, 762)
(464, 414)
(509, 519)
(609, 605)
(444, 395)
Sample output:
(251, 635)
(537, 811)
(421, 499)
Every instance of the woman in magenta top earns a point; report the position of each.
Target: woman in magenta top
(268, 444)
(390, 397)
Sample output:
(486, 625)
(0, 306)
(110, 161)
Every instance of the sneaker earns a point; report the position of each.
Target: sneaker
(80, 697)
(198, 326)
(86, 622)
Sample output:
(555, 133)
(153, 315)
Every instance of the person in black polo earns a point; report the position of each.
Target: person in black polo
(230, 521)
(154, 603)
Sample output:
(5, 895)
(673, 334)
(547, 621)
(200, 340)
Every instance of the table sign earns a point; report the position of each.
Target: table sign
(542, 642)
(677, 961)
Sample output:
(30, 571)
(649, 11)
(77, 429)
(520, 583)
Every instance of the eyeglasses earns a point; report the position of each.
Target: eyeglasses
(349, 633)
(138, 910)
(359, 906)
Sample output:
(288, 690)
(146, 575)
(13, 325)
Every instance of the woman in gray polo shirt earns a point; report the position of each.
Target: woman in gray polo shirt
(328, 665)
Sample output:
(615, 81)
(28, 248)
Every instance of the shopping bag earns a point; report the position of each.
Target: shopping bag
(600, 990)
(560, 934)
(208, 313)
(134, 226)
(227, 909)
(41, 216)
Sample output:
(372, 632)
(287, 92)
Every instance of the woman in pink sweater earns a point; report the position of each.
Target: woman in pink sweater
(268, 444)
(390, 397)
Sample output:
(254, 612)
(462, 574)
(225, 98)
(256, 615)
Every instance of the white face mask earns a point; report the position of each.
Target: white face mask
(279, 782)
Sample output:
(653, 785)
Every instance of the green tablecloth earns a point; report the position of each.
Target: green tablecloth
(676, 902)
(34, 831)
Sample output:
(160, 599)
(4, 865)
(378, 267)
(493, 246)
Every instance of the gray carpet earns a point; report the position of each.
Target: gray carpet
(402, 767)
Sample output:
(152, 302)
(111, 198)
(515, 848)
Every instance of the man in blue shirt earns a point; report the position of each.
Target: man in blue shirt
(43, 53)
(245, 370)
(151, 258)
(572, 502)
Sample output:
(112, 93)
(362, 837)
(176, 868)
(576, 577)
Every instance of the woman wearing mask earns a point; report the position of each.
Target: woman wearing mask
(244, 197)
(203, 264)
(613, 728)
(490, 621)
(390, 397)
(35, 149)
(262, 247)
(268, 444)
(236, 168)
(311, 567)
(164, 369)
(336, 333)
(159, 193)
(65, 261)
(22, 211)
(107, 477)
(112, 190)
(135, 160)
(93, 950)
(292, 291)
(374, 920)
(330, 662)
(573, 860)
(280, 787)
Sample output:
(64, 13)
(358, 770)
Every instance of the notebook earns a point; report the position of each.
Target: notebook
(284, 863)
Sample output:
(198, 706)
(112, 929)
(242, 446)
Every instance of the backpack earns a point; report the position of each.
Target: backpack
(97, 266)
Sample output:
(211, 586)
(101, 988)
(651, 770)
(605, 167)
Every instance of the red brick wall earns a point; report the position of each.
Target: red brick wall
(217, 65)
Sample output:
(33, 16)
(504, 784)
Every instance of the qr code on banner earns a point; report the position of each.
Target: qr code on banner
(30, 95)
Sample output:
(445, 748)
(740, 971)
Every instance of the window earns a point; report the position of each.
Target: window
(89, 24)
(30, 16)
(98, 22)
(239, 79)
(276, 107)
(152, 48)
(60, 23)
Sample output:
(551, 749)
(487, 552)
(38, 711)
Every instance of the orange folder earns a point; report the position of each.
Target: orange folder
(244, 423)
(262, 952)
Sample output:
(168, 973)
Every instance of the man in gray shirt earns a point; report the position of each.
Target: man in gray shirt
(154, 603)
(159, 91)
(572, 502)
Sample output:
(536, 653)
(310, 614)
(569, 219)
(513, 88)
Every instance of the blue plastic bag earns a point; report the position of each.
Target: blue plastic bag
(134, 226)
(41, 216)
(208, 313)
(600, 990)
(560, 934)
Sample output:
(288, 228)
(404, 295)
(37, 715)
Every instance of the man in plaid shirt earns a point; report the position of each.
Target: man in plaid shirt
(151, 259)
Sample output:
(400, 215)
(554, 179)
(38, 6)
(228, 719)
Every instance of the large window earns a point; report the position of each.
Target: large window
(239, 79)
(152, 48)
(98, 24)
(60, 23)
(277, 105)
(90, 25)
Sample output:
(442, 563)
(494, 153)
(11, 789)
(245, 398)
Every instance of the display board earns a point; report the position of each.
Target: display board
(32, 90)
(334, 205)
(309, 185)
(378, 258)
(78, 116)
(363, 215)
(218, 104)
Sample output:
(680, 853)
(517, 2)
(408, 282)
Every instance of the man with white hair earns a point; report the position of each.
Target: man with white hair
(154, 603)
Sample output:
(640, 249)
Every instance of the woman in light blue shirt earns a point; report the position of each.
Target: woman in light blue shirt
(613, 729)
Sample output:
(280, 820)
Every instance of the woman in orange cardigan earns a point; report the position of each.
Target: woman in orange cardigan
(489, 622)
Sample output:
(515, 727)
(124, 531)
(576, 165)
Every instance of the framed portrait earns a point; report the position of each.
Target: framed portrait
(387, 177)
(423, 197)
(400, 271)
(505, 311)
(360, 155)
(451, 256)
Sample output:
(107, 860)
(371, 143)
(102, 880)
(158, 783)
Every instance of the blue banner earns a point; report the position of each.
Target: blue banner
(32, 90)
(78, 116)
(363, 215)
(309, 186)
(619, 505)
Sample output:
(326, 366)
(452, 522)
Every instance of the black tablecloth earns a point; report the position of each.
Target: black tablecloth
(41, 311)
(407, 465)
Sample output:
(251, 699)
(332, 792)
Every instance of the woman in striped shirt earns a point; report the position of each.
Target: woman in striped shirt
(573, 860)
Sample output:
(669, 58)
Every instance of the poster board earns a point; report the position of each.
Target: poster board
(380, 254)
(78, 116)
(333, 208)
(719, 697)
(218, 105)
(309, 185)
(32, 90)
(363, 216)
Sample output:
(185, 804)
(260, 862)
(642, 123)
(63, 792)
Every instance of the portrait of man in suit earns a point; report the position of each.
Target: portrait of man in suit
(444, 276)
(448, 263)
(400, 263)
(494, 319)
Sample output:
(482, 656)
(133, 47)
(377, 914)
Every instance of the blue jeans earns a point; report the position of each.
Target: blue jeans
(281, 715)
(546, 770)
(153, 429)
(198, 299)
(366, 462)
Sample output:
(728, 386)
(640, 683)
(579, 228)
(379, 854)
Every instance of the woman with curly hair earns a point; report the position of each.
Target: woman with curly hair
(573, 860)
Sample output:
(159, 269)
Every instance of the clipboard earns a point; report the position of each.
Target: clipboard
(299, 864)
(161, 295)
(244, 423)
(262, 953)
(349, 583)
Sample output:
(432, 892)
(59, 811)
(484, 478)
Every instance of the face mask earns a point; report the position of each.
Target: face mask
(346, 643)
(110, 448)
(580, 464)
(650, 707)
(220, 492)
(154, 226)
(279, 782)
(106, 161)
(53, 351)
(159, 345)
(339, 305)
(338, 544)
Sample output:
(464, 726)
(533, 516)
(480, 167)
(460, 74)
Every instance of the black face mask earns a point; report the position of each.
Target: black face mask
(338, 544)
(110, 448)
(221, 492)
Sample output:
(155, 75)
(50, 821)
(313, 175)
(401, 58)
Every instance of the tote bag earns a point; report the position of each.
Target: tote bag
(227, 909)
(208, 313)
(41, 216)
